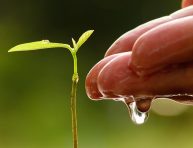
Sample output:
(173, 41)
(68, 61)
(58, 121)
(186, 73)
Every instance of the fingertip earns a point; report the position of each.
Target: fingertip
(112, 80)
(123, 44)
(92, 79)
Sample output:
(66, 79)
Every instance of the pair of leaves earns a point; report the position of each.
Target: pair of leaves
(44, 44)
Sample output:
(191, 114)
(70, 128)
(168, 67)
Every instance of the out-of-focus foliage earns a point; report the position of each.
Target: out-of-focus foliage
(35, 86)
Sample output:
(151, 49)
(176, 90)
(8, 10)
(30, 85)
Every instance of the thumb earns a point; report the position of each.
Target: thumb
(186, 3)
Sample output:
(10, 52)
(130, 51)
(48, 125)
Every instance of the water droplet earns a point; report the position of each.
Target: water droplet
(139, 106)
(45, 41)
(137, 116)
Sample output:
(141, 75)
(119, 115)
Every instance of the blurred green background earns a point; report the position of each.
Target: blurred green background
(35, 86)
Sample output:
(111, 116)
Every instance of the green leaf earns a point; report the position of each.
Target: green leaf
(44, 44)
(83, 38)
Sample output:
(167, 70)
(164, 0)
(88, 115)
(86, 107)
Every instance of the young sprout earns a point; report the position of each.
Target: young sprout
(45, 44)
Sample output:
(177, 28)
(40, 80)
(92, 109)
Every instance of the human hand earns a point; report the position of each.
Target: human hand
(151, 61)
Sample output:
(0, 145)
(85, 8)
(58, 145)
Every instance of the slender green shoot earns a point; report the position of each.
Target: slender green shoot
(45, 44)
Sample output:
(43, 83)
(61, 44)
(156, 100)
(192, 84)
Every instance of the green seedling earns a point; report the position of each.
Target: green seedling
(45, 44)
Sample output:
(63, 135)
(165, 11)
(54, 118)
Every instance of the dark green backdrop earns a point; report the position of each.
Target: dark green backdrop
(35, 86)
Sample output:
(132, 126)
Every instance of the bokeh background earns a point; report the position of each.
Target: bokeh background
(35, 86)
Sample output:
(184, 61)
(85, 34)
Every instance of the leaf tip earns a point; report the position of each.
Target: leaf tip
(11, 50)
(91, 31)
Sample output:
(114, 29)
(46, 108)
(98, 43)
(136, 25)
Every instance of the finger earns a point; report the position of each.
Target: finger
(116, 79)
(186, 3)
(188, 11)
(169, 43)
(92, 77)
(126, 41)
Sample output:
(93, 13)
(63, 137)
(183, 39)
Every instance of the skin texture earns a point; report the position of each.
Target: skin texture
(186, 3)
(171, 43)
(154, 59)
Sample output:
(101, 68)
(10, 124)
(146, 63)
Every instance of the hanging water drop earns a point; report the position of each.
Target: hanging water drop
(137, 116)
(138, 107)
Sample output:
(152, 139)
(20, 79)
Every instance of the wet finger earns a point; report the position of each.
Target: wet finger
(117, 79)
(169, 43)
(188, 11)
(92, 77)
(126, 41)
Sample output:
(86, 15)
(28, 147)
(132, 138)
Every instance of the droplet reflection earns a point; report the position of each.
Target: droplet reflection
(137, 116)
